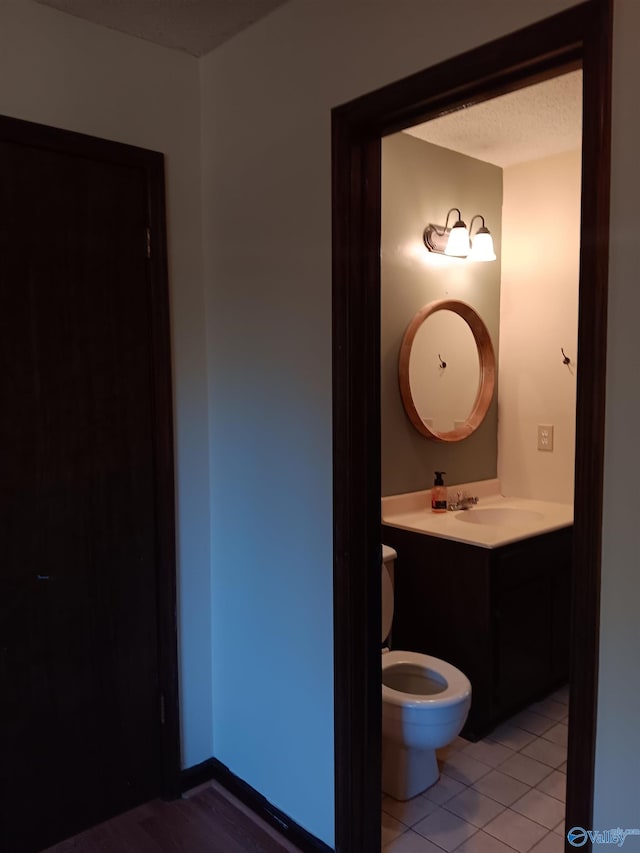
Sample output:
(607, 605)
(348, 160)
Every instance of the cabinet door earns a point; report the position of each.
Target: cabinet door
(561, 620)
(523, 620)
(522, 635)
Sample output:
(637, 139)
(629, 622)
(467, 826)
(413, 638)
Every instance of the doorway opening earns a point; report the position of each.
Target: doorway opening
(577, 38)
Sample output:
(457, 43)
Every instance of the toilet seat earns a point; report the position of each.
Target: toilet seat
(457, 687)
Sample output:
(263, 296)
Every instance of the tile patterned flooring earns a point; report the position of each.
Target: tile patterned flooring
(503, 794)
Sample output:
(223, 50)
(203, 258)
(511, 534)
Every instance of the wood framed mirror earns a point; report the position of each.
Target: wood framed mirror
(446, 370)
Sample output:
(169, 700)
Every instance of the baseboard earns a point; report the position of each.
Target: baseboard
(210, 769)
(191, 777)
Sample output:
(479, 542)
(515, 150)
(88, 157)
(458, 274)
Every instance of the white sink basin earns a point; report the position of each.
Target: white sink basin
(501, 516)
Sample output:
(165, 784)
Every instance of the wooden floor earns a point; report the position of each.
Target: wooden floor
(206, 820)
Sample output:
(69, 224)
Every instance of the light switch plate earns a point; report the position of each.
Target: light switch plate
(545, 436)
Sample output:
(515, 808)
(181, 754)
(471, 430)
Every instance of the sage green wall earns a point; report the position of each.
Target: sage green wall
(420, 183)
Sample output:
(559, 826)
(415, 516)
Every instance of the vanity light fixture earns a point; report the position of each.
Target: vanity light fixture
(452, 241)
(455, 241)
(481, 243)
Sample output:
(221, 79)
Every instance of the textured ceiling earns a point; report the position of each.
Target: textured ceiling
(195, 26)
(525, 125)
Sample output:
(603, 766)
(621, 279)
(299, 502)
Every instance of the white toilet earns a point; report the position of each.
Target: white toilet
(425, 702)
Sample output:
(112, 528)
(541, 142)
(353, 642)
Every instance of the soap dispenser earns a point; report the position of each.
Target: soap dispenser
(439, 493)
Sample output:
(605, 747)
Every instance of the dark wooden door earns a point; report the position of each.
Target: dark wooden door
(80, 683)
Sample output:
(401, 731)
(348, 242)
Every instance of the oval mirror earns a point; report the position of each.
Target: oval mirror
(446, 370)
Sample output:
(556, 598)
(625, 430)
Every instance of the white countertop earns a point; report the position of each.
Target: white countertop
(413, 512)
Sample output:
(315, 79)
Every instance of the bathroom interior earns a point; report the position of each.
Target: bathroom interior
(483, 590)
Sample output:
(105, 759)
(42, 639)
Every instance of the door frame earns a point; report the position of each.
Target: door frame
(151, 164)
(578, 37)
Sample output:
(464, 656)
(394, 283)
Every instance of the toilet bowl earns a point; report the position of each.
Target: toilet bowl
(425, 703)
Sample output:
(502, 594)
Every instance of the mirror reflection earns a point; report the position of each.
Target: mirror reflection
(444, 371)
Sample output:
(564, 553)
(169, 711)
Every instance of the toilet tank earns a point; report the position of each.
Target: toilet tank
(388, 559)
(389, 556)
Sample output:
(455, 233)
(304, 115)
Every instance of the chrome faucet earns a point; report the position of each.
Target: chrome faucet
(462, 501)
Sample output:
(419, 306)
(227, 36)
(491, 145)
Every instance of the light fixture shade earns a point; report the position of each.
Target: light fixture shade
(482, 246)
(458, 244)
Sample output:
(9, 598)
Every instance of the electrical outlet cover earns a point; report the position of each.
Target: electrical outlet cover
(545, 436)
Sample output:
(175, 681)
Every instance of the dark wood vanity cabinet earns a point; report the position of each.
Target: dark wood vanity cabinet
(500, 615)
